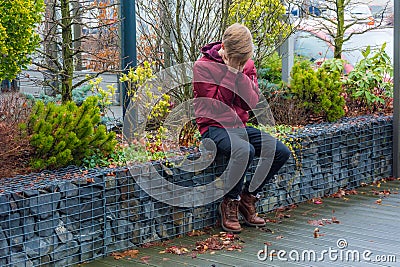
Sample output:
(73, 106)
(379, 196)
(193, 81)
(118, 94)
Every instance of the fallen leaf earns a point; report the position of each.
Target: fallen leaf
(176, 250)
(196, 233)
(272, 220)
(145, 259)
(268, 244)
(128, 253)
(279, 237)
(267, 230)
(316, 233)
(281, 209)
(378, 201)
(317, 201)
(316, 222)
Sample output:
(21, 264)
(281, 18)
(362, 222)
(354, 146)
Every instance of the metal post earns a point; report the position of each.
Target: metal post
(287, 53)
(128, 44)
(396, 91)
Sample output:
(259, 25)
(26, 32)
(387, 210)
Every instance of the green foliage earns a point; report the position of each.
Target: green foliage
(78, 96)
(105, 96)
(271, 69)
(66, 134)
(370, 81)
(286, 134)
(150, 101)
(265, 19)
(18, 38)
(319, 91)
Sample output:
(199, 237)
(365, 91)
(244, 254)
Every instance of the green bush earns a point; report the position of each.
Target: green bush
(66, 134)
(370, 82)
(319, 91)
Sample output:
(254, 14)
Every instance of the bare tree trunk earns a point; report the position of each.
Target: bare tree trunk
(67, 52)
(166, 46)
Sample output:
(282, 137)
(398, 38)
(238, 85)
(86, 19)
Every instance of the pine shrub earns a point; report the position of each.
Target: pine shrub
(319, 91)
(66, 134)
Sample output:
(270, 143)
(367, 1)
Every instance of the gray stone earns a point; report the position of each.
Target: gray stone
(63, 234)
(20, 259)
(89, 249)
(11, 224)
(136, 237)
(46, 227)
(90, 210)
(4, 249)
(42, 261)
(4, 205)
(121, 228)
(29, 227)
(30, 192)
(80, 181)
(89, 231)
(110, 182)
(165, 230)
(112, 196)
(64, 251)
(38, 247)
(90, 192)
(112, 212)
(108, 239)
(72, 225)
(130, 210)
(148, 210)
(69, 206)
(68, 189)
(44, 205)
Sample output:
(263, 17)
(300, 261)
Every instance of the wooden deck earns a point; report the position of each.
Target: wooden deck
(368, 221)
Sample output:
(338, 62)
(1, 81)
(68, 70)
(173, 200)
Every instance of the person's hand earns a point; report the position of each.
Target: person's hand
(232, 65)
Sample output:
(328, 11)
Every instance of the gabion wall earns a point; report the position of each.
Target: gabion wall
(72, 216)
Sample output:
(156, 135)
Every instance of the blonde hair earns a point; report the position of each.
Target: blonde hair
(238, 43)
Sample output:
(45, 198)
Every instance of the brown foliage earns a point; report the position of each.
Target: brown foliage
(287, 111)
(15, 149)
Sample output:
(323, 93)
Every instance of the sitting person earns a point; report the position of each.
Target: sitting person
(225, 90)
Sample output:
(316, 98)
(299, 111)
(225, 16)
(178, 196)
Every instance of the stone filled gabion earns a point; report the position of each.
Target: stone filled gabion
(71, 216)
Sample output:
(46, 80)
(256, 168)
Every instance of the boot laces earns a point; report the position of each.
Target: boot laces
(232, 208)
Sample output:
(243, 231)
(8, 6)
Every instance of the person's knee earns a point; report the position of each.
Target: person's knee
(244, 151)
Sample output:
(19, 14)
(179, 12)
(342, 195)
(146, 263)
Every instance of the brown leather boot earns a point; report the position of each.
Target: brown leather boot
(247, 208)
(229, 215)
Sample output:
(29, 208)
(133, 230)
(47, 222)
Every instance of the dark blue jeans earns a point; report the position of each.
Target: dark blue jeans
(241, 145)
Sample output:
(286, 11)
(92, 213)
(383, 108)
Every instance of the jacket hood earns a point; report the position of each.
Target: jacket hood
(211, 51)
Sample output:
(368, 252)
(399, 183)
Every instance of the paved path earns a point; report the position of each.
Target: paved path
(368, 221)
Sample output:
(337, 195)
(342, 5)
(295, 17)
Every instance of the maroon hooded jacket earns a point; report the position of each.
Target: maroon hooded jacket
(222, 97)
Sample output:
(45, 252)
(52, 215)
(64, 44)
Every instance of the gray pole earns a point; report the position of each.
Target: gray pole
(128, 44)
(396, 89)
(287, 53)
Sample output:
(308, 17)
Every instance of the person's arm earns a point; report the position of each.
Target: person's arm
(248, 87)
(213, 80)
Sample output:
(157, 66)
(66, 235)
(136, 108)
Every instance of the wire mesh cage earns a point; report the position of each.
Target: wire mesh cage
(72, 215)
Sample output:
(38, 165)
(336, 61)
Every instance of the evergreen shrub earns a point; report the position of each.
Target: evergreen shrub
(319, 91)
(62, 135)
